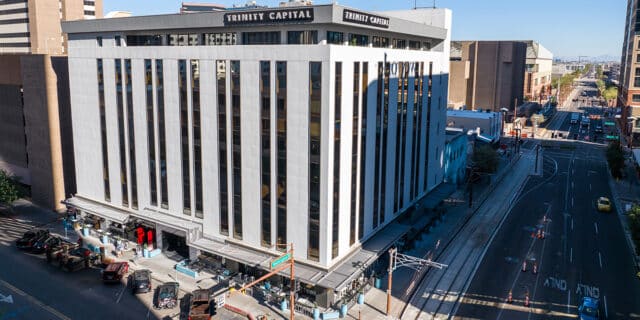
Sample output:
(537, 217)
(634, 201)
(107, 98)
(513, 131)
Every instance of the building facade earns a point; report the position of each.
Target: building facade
(455, 155)
(35, 116)
(486, 74)
(315, 126)
(537, 77)
(629, 87)
(487, 125)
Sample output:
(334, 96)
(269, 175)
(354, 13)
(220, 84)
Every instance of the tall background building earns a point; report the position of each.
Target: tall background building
(487, 74)
(629, 88)
(35, 124)
(539, 67)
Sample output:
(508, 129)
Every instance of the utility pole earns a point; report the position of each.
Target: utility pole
(292, 286)
(392, 252)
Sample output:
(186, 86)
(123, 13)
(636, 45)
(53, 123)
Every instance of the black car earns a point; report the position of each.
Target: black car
(42, 244)
(30, 238)
(78, 258)
(166, 296)
(140, 281)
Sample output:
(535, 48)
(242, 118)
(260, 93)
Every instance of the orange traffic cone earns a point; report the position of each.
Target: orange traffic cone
(539, 234)
(526, 299)
(535, 268)
(510, 298)
(524, 266)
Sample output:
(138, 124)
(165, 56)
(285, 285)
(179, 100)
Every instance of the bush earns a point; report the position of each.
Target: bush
(633, 217)
(485, 159)
(8, 188)
(615, 158)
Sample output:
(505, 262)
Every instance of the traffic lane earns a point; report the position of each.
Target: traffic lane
(501, 265)
(78, 295)
(622, 291)
(16, 304)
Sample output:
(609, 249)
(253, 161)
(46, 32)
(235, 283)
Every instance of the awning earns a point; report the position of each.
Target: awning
(165, 219)
(98, 209)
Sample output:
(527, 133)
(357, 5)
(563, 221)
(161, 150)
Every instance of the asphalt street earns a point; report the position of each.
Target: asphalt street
(41, 291)
(583, 253)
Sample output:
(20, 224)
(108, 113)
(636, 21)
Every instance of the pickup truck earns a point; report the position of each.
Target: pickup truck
(201, 307)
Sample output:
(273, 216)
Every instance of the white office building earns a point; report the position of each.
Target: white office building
(242, 129)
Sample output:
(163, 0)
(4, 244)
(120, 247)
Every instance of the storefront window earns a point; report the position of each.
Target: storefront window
(302, 37)
(358, 40)
(335, 37)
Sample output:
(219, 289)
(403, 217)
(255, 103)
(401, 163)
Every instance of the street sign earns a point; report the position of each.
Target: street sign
(220, 301)
(7, 299)
(609, 123)
(283, 258)
(612, 137)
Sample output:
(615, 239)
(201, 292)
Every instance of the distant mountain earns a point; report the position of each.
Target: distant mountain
(600, 58)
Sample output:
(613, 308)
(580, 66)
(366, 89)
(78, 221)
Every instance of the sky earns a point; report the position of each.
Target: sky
(568, 28)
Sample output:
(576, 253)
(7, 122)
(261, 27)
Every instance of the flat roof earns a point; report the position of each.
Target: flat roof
(470, 114)
(255, 17)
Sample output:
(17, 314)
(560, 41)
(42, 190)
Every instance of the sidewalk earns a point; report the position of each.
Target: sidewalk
(430, 244)
(626, 192)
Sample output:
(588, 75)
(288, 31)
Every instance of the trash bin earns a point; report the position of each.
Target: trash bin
(377, 283)
(360, 298)
(283, 305)
(343, 310)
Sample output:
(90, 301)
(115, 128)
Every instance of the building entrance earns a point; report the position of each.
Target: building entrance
(172, 243)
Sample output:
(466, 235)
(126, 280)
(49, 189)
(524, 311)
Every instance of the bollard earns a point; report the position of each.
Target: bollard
(510, 298)
(535, 268)
(526, 299)
(524, 266)
(539, 234)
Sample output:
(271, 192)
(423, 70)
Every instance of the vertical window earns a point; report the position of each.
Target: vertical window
(99, 41)
(417, 127)
(103, 132)
(164, 192)
(281, 145)
(315, 87)
(335, 37)
(399, 43)
(121, 135)
(354, 152)
(400, 134)
(428, 133)
(385, 142)
(380, 42)
(415, 45)
(184, 137)
(221, 78)
(358, 40)
(236, 147)
(336, 160)
(118, 41)
(637, 58)
(131, 131)
(363, 144)
(197, 141)
(377, 155)
(151, 141)
(265, 159)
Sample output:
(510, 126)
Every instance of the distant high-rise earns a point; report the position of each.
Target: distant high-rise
(30, 26)
(629, 88)
(35, 124)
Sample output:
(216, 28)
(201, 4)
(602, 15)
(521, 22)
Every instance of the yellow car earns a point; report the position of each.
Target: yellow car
(604, 204)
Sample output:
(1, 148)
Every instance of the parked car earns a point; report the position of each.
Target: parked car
(78, 258)
(114, 272)
(202, 307)
(43, 243)
(166, 296)
(140, 281)
(55, 251)
(28, 239)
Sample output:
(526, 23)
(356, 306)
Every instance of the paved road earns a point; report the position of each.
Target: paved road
(41, 291)
(584, 253)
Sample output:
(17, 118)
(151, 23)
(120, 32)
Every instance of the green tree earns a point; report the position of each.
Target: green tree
(610, 93)
(615, 158)
(485, 159)
(8, 189)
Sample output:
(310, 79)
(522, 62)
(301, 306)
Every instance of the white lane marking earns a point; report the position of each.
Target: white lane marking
(572, 185)
(120, 294)
(35, 301)
(571, 256)
(595, 224)
(572, 201)
(589, 186)
(600, 258)
(571, 224)
(569, 302)
(606, 311)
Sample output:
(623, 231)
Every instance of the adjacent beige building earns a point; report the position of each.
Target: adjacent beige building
(486, 74)
(35, 124)
(537, 77)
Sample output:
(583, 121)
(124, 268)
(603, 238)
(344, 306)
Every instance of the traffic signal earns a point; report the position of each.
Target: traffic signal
(296, 287)
(213, 307)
